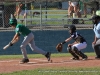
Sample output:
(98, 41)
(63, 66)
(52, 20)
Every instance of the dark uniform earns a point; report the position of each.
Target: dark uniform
(78, 45)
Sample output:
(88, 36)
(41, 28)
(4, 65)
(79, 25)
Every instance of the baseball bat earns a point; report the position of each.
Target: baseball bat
(5, 47)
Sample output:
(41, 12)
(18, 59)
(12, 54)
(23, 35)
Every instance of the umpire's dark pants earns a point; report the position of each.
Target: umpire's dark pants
(96, 47)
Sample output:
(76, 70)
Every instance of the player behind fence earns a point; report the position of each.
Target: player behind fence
(79, 44)
(28, 40)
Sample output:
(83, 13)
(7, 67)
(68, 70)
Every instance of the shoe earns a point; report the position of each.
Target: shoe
(74, 58)
(24, 61)
(97, 57)
(48, 55)
(85, 58)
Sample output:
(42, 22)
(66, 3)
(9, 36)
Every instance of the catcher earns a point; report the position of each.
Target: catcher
(76, 47)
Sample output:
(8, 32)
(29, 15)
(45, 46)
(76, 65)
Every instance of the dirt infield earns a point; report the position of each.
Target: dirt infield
(7, 66)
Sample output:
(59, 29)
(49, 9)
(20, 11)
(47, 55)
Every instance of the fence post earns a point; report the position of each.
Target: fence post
(40, 17)
(25, 12)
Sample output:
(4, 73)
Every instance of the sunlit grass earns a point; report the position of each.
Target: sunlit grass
(58, 71)
(2, 57)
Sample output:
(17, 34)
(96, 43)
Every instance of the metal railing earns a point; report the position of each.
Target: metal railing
(47, 18)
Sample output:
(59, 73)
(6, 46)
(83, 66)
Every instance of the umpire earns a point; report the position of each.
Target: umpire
(96, 29)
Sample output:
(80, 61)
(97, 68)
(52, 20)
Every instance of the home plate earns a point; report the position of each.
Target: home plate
(28, 63)
(31, 62)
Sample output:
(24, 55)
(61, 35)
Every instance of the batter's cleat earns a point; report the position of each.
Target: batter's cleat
(74, 58)
(85, 58)
(48, 55)
(24, 61)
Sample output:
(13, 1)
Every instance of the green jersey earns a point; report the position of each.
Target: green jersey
(21, 29)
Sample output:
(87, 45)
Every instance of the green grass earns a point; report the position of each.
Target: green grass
(2, 57)
(58, 71)
(52, 22)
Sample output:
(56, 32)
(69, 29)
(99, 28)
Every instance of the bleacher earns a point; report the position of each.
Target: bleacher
(44, 17)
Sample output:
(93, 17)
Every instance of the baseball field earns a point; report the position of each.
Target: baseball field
(61, 64)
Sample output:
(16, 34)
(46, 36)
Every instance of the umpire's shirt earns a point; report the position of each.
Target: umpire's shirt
(97, 35)
(97, 30)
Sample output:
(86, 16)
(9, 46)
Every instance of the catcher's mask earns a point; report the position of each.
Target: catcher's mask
(12, 22)
(72, 28)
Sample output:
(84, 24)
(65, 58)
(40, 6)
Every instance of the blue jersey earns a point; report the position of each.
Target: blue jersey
(76, 36)
(97, 30)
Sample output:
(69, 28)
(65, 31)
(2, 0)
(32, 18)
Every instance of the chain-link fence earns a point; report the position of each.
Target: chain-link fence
(45, 15)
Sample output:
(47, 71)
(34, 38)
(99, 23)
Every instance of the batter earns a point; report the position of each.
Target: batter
(28, 40)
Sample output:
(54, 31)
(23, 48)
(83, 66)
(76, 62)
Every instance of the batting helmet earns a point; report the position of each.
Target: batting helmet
(13, 22)
(72, 28)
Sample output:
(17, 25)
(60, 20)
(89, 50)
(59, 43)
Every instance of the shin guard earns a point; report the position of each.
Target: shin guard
(72, 53)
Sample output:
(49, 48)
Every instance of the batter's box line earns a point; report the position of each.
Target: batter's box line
(40, 59)
(59, 61)
(47, 63)
(2, 61)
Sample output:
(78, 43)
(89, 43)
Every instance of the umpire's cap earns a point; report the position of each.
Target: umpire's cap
(95, 17)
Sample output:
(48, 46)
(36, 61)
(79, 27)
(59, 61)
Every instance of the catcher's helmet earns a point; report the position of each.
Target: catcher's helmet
(13, 22)
(72, 28)
(95, 17)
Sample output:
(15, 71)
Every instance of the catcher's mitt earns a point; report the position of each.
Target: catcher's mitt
(59, 47)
